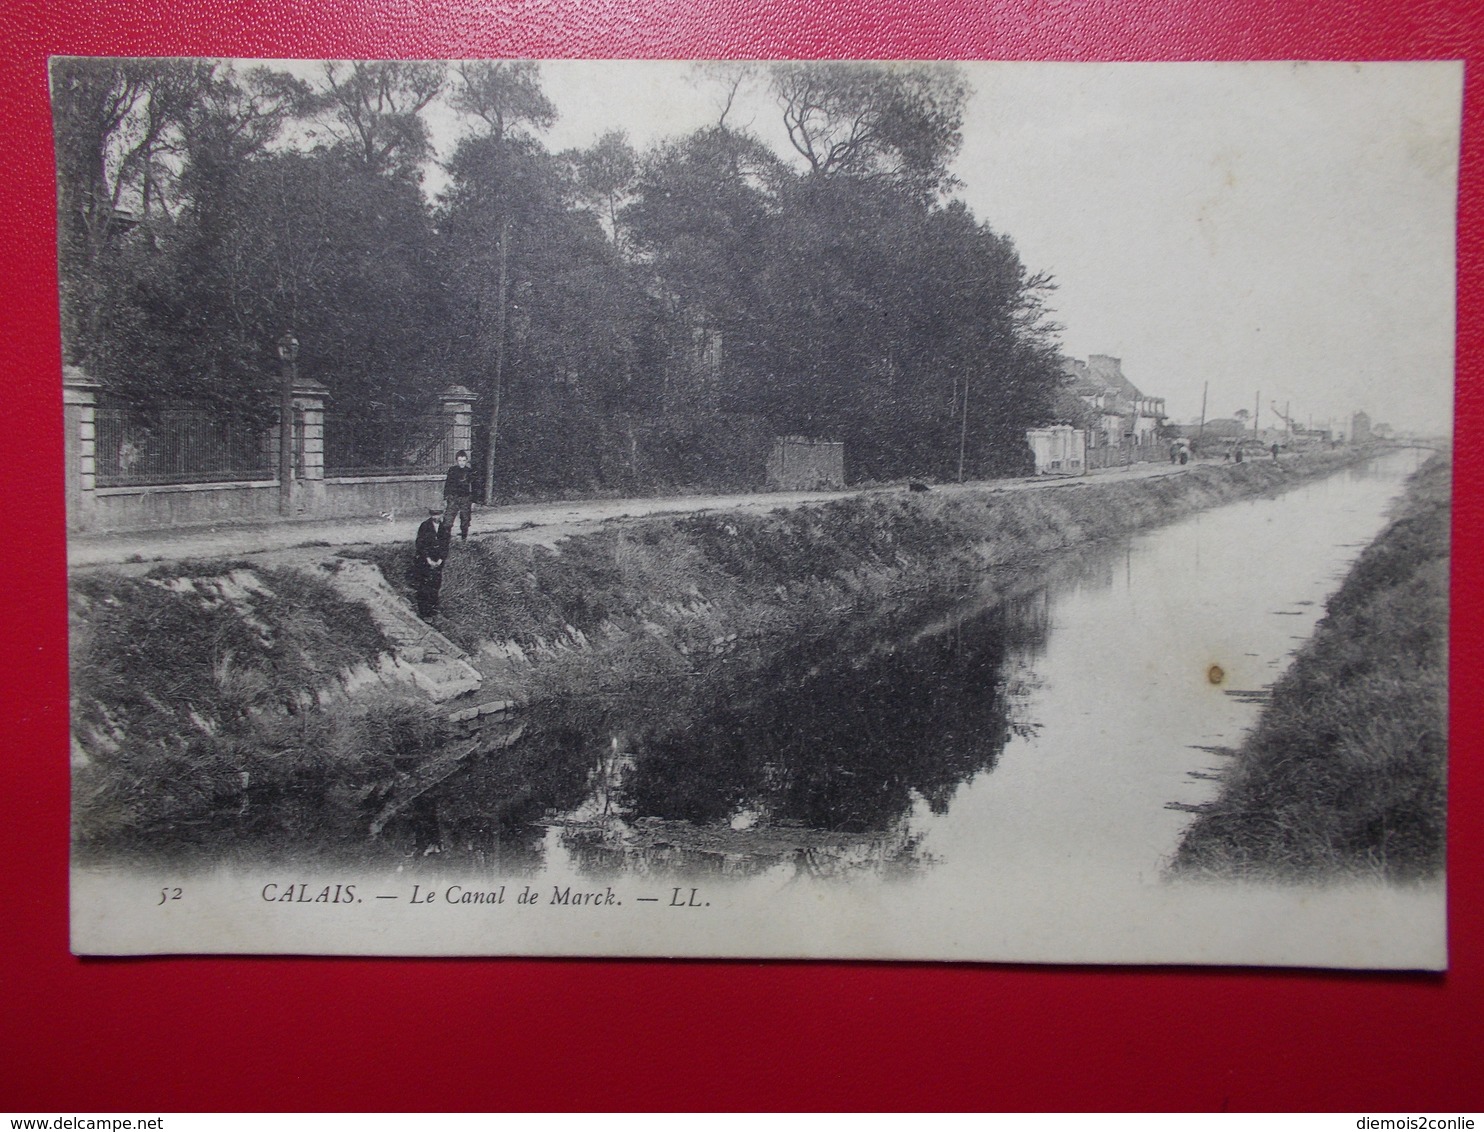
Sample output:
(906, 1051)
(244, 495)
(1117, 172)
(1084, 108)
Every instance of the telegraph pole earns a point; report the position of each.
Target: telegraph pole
(500, 318)
(963, 429)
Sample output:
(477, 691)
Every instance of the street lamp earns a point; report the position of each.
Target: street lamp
(288, 362)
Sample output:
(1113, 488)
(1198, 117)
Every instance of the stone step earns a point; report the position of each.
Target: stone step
(436, 665)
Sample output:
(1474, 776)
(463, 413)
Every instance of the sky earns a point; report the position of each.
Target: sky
(1275, 230)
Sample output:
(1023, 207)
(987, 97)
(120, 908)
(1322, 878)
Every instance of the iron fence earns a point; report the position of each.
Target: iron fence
(421, 449)
(178, 445)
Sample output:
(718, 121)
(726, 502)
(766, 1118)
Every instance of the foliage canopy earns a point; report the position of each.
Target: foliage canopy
(614, 310)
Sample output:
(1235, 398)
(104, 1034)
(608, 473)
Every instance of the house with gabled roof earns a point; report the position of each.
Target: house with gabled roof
(1099, 398)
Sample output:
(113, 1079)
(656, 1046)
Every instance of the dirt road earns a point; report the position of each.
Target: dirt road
(530, 523)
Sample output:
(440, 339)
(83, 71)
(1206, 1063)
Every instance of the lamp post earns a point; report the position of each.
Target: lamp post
(288, 362)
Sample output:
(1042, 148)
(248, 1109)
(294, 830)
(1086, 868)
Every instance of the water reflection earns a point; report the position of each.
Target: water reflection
(810, 759)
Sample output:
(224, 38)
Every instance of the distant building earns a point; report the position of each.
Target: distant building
(1059, 448)
(1314, 435)
(1222, 428)
(1106, 405)
(1360, 428)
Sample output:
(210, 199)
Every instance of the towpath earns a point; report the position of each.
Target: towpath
(525, 522)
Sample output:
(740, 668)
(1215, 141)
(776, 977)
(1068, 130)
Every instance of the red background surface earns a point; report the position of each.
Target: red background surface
(245, 1034)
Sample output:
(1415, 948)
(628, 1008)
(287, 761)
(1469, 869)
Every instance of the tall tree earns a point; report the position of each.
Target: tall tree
(116, 125)
(347, 261)
(539, 300)
(603, 176)
(504, 95)
(207, 341)
(728, 79)
(701, 223)
(506, 99)
(373, 111)
(234, 119)
(899, 122)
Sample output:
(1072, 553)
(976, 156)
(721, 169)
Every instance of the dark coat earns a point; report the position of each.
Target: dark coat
(429, 551)
(459, 483)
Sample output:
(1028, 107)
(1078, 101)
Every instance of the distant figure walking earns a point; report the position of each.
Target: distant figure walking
(1238, 455)
(458, 495)
(1175, 451)
(428, 555)
(1275, 450)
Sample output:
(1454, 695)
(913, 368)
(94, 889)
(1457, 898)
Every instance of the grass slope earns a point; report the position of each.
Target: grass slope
(1346, 771)
(194, 689)
(676, 585)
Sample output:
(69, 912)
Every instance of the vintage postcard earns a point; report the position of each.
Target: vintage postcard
(965, 511)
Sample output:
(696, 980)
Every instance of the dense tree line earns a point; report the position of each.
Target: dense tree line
(627, 319)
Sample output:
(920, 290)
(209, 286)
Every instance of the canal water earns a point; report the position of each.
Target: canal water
(1149, 677)
(1055, 723)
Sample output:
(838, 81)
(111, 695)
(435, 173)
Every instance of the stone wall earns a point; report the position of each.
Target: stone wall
(797, 464)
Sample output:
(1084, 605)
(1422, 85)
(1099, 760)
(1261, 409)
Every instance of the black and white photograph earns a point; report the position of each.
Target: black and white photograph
(958, 511)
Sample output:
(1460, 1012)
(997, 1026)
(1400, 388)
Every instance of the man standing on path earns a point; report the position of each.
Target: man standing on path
(428, 554)
(458, 495)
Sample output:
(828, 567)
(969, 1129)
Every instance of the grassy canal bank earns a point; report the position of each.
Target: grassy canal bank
(1346, 771)
(209, 698)
(661, 595)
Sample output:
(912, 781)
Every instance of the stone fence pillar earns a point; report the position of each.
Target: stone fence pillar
(309, 447)
(80, 416)
(458, 421)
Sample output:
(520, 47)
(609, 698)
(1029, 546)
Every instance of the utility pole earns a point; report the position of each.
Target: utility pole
(1135, 436)
(963, 429)
(500, 316)
(1205, 388)
(1256, 409)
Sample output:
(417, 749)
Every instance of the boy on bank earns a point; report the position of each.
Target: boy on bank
(429, 552)
(458, 495)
